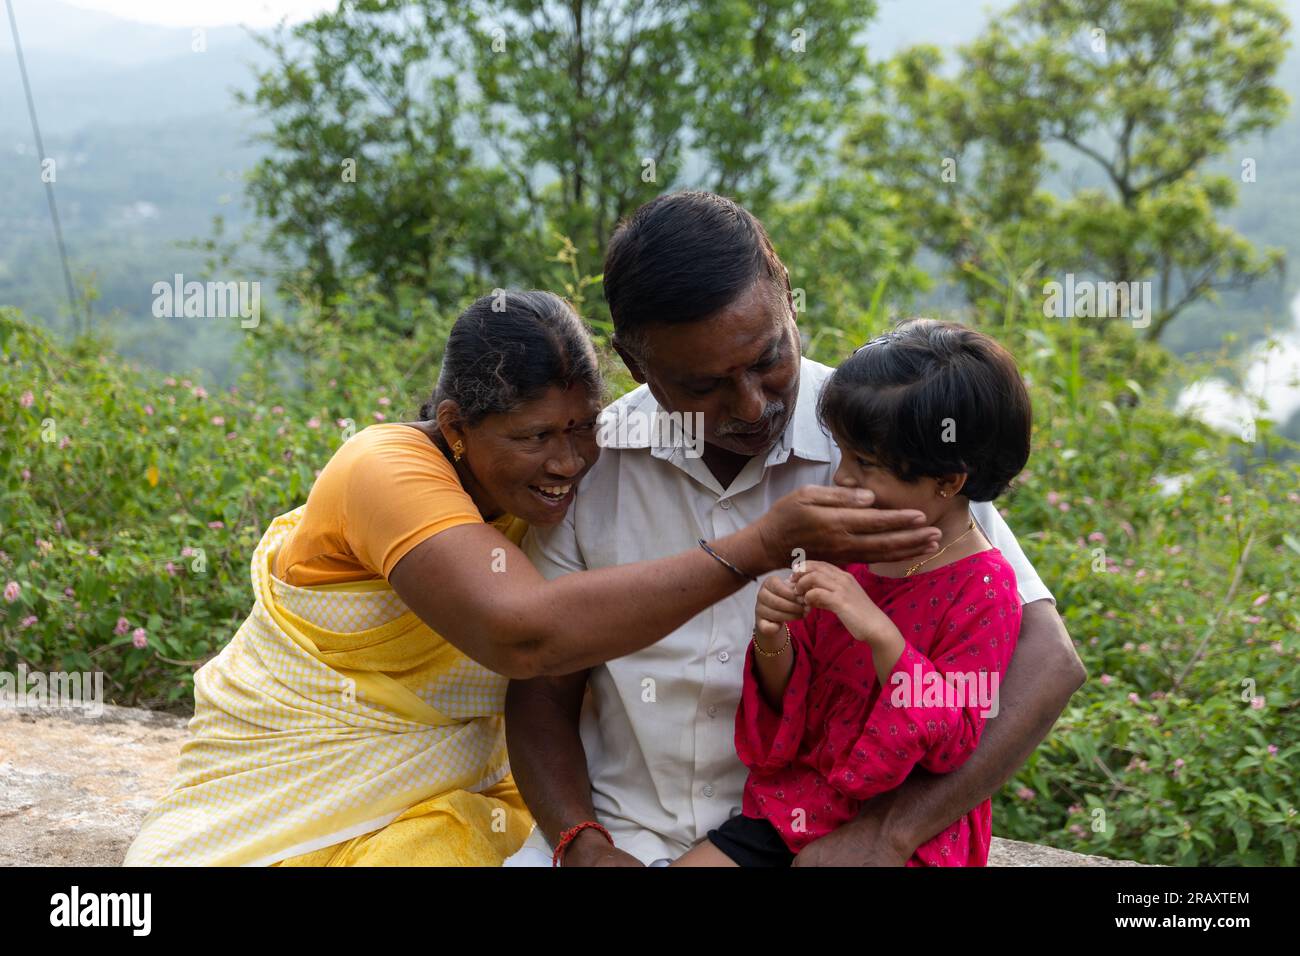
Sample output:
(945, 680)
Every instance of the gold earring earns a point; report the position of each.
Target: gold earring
(457, 450)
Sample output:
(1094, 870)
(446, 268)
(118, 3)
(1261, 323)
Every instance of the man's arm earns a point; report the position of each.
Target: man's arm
(550, 765)
(1044, 672)
(542, 714)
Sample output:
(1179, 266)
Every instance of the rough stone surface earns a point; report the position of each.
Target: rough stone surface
(74, 788)
(1016, 853)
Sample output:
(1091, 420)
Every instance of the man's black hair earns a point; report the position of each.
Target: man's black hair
(680, 258)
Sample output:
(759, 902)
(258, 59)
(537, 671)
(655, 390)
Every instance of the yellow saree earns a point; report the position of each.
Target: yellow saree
(337, 728)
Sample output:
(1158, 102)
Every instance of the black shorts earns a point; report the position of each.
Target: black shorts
(751, 842)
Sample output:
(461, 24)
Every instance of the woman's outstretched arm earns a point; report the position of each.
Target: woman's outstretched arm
(481, 593)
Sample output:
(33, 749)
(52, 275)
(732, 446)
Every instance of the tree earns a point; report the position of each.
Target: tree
(366, 173)
(482, 130)
(1140, 92)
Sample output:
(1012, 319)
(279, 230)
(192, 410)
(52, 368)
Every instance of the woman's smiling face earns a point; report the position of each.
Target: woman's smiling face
(528, 461)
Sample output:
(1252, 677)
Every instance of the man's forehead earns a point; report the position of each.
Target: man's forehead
(720, 347)
(736, 358)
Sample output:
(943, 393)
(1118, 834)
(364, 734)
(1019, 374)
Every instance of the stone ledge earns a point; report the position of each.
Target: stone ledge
(74, 788)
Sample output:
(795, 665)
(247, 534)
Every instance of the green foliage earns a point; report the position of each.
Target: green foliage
(1184, 607)
(365, 174)
(845, 244)
(130, 495)
(470, 123)
(130, 196)
(1145, 92)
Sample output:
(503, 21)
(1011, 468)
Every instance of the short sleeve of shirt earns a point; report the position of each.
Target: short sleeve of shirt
(999, 535)
(554, 551)
(400, 490)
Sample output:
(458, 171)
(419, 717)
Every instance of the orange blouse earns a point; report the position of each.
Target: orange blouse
(385, 490)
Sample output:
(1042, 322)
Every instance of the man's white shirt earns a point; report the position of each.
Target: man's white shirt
(658, 725)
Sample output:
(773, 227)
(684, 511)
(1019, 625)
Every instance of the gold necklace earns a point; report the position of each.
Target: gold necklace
(914, 568)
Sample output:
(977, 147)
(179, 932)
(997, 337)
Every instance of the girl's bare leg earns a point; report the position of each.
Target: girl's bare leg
(704, 853)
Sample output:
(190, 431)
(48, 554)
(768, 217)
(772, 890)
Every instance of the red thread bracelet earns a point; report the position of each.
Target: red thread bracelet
(567, 837)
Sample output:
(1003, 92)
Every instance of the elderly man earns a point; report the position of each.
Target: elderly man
(644, 745)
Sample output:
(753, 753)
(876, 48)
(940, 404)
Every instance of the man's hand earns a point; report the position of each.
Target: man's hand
(866, 841)
(839, 525)
(590, 848)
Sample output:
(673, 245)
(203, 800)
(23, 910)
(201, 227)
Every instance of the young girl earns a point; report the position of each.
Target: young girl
(857, 675)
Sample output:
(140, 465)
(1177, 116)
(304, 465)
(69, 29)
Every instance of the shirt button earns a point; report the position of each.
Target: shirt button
(712, 711)
(725, 504)
(724, 656)
(708, 790)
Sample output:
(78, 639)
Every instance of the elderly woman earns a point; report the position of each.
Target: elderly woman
(356, 716)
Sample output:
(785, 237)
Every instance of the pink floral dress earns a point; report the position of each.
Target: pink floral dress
(838, 740)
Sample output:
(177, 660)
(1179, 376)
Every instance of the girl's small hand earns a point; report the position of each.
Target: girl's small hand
(778, 602)
(834, 589)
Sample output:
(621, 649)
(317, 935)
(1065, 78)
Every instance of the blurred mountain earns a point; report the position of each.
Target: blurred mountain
(149, 146)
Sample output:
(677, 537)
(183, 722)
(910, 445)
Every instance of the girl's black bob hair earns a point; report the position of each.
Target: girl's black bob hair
(930, 399)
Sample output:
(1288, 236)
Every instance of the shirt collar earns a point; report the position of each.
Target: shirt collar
(804, 434)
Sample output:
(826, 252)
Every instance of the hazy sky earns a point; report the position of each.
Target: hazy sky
(208, 13)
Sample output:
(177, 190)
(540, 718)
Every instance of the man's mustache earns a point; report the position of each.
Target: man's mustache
(773, 412)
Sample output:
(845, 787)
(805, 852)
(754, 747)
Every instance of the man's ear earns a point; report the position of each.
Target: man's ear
(630, 360)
